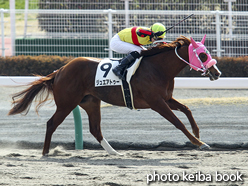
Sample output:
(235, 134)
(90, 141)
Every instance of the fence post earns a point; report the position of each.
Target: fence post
(110, 30)
(127, 12)
(2, 28)
(26, 18)
(78, 128)
(218, 33)
(230, 16)
(12, 23)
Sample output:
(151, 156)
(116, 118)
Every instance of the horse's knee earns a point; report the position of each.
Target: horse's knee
(186, 110)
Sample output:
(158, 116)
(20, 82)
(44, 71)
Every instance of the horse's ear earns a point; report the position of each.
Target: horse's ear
(203, 39)
(195, 45)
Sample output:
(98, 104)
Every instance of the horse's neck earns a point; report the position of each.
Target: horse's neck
(183, 53)
(170, 64)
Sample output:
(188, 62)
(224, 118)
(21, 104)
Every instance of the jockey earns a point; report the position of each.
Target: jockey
(130, 40)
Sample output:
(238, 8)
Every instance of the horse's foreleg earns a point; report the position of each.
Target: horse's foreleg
(92, 106)
(163, 109)
(175, 105)
(108, 147)
(52, 125)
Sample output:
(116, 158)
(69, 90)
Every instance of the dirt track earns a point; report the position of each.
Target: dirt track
(221, 116)
(26, 167)
(150, 144)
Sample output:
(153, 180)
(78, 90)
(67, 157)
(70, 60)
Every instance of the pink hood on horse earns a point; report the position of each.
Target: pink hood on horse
(195, 49)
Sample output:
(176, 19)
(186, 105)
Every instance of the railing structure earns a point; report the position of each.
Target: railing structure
(82, 32)
(2, 11)
(79, 28)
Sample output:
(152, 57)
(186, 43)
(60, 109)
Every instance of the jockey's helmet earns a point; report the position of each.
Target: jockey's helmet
(156, 27)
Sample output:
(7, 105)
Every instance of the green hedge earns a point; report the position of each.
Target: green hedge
(44, 65)
(30, 65)
(229, 66)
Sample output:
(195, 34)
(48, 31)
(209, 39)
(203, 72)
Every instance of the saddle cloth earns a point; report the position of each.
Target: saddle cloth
(106, 77)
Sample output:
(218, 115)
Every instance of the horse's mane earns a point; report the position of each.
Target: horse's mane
(181, 41)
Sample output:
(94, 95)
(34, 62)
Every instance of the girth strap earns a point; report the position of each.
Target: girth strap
(127, 94)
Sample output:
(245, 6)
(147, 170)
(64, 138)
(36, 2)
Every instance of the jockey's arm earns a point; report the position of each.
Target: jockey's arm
(144, 33)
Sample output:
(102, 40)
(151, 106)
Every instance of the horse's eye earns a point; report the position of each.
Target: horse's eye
(203, 57)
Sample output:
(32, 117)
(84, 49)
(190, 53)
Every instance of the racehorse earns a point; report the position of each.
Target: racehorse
(152, 87)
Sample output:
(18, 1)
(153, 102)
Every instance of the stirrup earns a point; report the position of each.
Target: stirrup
(118, 73)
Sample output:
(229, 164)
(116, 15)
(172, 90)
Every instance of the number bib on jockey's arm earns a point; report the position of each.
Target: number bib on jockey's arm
(105, 75)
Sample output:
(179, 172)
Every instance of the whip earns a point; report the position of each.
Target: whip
(159, 33)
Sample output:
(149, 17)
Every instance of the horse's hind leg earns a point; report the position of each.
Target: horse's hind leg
(52, 125)
(92, 106)
(175, 105)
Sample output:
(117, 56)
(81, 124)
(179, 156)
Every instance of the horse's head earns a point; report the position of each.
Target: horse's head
(201, 60)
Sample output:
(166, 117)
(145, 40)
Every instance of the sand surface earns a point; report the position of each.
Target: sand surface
(154, 151)
(135, 167)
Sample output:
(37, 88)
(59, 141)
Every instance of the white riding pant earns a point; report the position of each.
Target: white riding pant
(119, 46)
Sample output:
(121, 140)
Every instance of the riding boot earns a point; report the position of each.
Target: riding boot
(120, 69)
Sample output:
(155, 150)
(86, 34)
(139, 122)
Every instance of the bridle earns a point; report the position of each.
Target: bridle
(203, 69)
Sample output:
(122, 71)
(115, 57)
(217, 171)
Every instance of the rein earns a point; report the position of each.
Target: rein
(203, 69)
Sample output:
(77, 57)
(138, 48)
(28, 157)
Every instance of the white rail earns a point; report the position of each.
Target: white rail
(205, 83)
(180, 82)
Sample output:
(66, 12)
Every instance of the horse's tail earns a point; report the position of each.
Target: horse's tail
(22, 100)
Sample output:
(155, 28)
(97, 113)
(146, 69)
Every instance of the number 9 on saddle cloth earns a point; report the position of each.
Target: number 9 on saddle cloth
(106, 77)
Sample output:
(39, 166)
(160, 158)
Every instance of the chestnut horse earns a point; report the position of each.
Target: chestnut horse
(152, 86)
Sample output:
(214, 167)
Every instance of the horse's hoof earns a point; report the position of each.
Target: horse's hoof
(115, 153)
(45, 155)
(119, 154)
(204, 147)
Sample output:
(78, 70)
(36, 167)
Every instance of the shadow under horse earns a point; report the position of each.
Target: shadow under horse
(152, 86)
